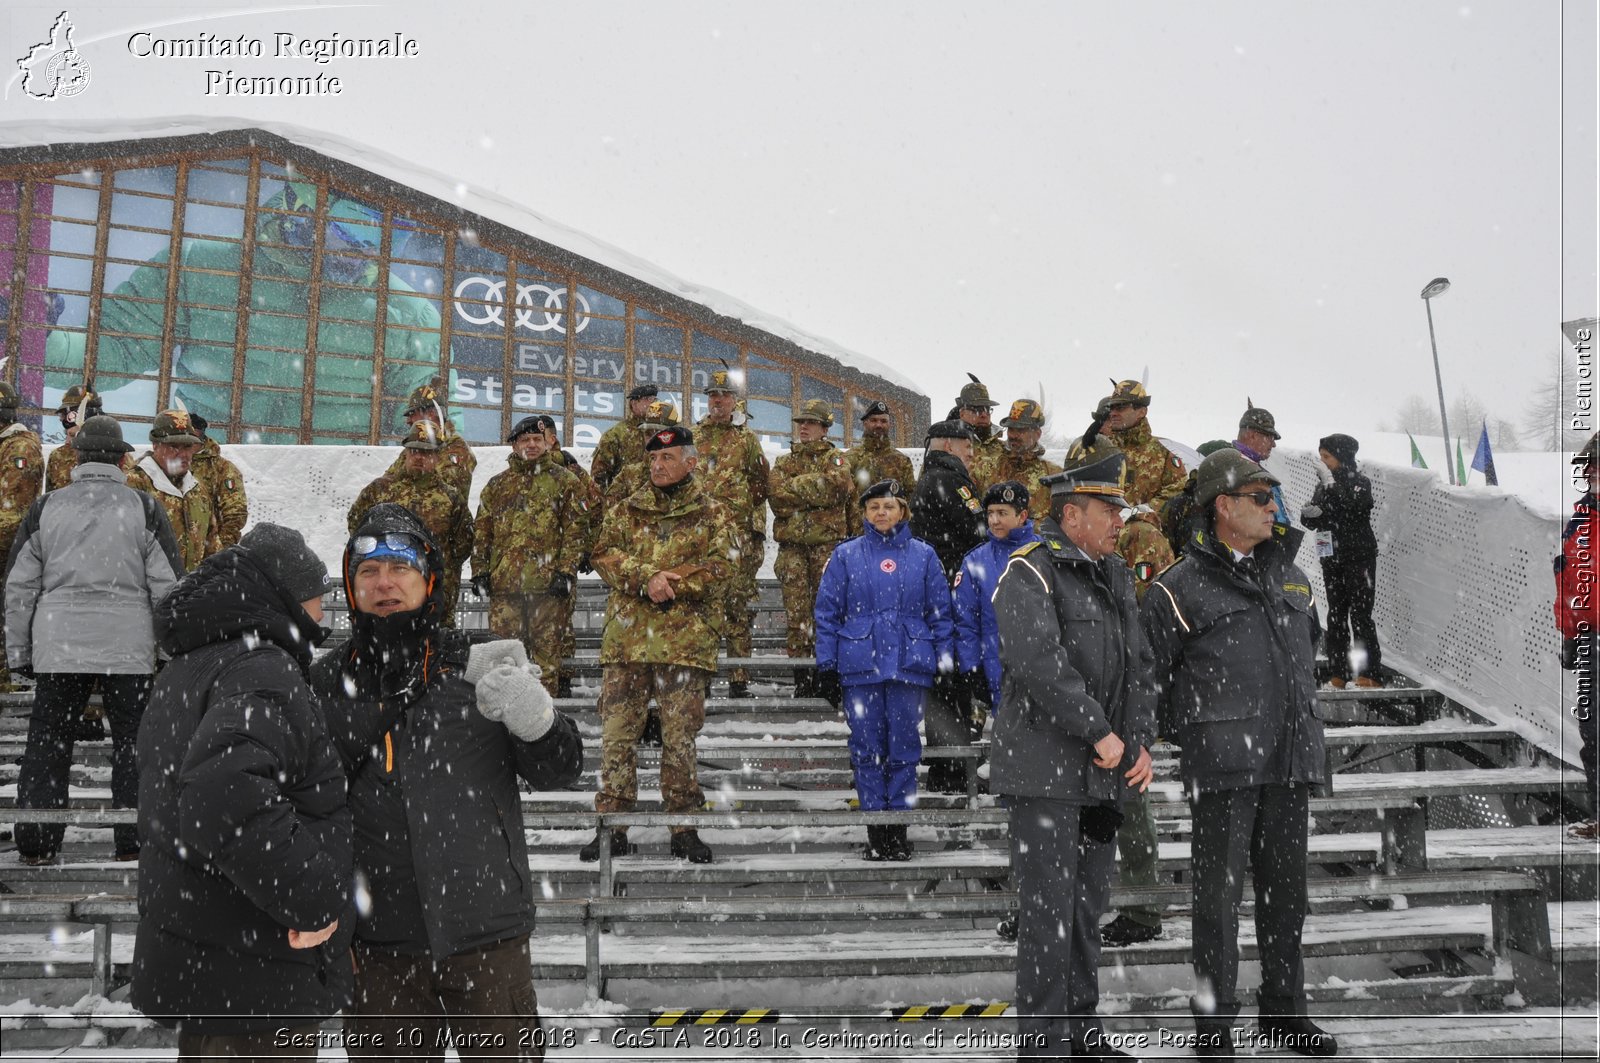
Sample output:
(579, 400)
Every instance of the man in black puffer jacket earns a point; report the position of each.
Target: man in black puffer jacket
(434, 726)
(245, 866)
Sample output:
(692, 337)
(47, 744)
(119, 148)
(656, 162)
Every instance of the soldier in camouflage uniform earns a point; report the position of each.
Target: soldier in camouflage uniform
(534, 522)
(734, 471)
(623, 443)
(456, 461)
(227, 485)
(664, 551)
(166, 471)
(813, 500)
(1154, 475)
(875, 458)
(596, 500)
(21, 474)
(1022, 458)
(421, 488)
(658, 414)
(63, 459)
(972, 409)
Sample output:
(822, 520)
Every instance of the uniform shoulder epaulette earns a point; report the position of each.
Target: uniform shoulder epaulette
(1024, 551)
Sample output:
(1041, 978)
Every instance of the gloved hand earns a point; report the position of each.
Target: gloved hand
(508, 688)
(560, 585)
(1324, 474)
(978, 691)
(1569, 654)
(585, 564)
(1311, 509)
(480, 585)
(829, 687)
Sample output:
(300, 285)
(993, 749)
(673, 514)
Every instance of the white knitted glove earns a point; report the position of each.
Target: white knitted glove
(508, 688)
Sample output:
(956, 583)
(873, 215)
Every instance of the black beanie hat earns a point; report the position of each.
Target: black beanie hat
(288, 561)
(1340, 446)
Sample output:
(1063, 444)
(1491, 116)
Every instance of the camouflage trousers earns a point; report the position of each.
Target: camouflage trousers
(569, 635)
(799, 571)
(536, 621)
(625, 694)
(738, 608)
(1146, 550)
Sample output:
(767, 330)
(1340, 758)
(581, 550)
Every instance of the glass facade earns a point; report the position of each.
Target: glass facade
(285, 307)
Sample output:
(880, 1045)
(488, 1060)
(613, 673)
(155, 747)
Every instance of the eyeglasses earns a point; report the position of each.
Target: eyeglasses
(366, 544)
(976, 409)
(1260, 498)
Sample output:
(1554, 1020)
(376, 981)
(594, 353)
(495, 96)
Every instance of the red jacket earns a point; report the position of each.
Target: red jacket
(1577, 606)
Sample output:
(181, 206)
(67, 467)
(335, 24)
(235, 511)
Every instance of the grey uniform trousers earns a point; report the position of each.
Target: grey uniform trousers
(1063, 879)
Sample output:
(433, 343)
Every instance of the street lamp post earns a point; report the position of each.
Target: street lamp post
(1438, 286)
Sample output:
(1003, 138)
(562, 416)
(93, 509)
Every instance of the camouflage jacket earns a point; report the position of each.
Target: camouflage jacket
(1027, 469)
(734, 471)
(21, 474)
(622, 445)
(986, 453)
(456, 462)
(63, 459)
(875, 459)
(534, 521)
(651, 531)
(438, 505)
(1155, 474)
(228, 499)
(189, 509)
(812, 495)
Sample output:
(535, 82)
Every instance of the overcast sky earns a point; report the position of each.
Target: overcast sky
(1245, 197)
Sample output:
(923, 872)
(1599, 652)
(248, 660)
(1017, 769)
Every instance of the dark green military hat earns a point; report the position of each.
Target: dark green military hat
(721, 382)
(9, 400)
(1025, 413)
(1258, 419)
(975, 394)
(427, 397)
(424, 435)
(174, 428)
(661, 414)
(1127, 393)
(815, 410)
(1226, 471)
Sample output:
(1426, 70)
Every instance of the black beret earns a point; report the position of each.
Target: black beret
(673, 436)
(539, 422)
(949, 430)
(643, 391)
(878, 406)
(1006, 493)
(883, 489)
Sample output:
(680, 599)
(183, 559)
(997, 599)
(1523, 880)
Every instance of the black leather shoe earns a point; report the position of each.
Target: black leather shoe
(564, 687)
(898, 845)
(1007, 928)
(619, 845)
(1122, 931)
(686, 845)
(1298, 1034)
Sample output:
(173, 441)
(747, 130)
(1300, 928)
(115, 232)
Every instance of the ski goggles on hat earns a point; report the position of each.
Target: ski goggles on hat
(397, 546)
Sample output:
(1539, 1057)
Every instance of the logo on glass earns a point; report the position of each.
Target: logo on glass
(552, 305)
(54, 69)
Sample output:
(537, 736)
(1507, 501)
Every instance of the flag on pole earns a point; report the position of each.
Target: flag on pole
(1483, 459)
(1461, 464)
(1416, 455)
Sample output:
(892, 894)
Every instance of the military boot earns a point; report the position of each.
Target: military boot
(686, 845)
(564, 687)
(897, 844)
(876, 849)
(805, 682)
(738, 688)
(651, 735)
(619, 845)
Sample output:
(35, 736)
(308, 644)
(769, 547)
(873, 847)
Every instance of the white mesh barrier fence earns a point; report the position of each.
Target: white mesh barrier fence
(1464, 582)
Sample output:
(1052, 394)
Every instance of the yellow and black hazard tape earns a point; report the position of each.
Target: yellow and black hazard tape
(946, 1012)
(712, 1016)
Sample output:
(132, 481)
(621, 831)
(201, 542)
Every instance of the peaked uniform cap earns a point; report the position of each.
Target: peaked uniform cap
(815, 410)
(1025, 413)
(1257, 419)
(424, 435)
(1099, 475)
(975, 394)
(173, 427)
(1224, 472)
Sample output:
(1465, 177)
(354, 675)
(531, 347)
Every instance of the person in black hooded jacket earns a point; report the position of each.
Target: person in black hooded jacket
(435, 726)
(1341, 507)
(245, 866)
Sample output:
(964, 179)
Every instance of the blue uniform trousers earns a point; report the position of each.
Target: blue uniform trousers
(884, 746)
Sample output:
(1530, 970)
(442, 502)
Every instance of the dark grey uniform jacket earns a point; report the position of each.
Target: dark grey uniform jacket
(1235, 655)
(1076, 668)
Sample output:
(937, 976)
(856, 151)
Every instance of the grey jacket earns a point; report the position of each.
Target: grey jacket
(89, 563)
(1235, 653)
(1075, 668)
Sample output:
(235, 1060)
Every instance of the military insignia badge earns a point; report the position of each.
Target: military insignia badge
(228, 483)
(1143, 571)
(665, 438)
(22, 463)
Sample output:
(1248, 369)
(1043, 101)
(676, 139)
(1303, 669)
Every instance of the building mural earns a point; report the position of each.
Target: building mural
(290, 297)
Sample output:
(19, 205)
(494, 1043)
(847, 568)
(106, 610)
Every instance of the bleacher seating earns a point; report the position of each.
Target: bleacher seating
(1403, 880)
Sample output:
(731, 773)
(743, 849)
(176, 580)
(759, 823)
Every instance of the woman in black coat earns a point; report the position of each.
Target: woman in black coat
(1341, 508)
